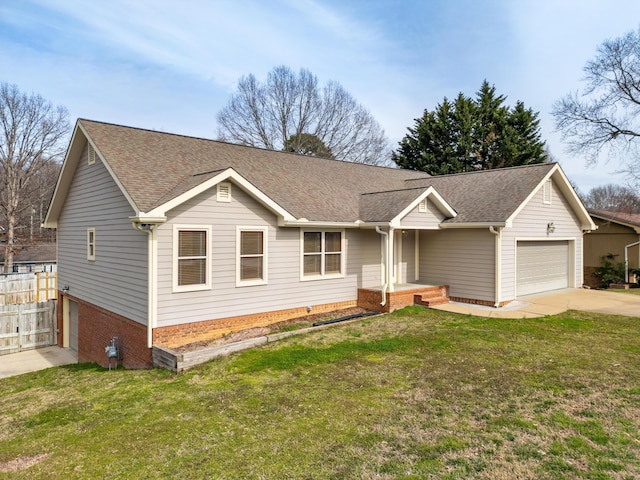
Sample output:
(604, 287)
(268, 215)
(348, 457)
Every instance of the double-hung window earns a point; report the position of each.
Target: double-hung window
(191, 258)
(322, 254)
(251, 257)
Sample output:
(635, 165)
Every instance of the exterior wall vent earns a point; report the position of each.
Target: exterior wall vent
(224, 192)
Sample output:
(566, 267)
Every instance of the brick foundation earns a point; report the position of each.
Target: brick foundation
(96, 326)
(590, 277)
(177, 335)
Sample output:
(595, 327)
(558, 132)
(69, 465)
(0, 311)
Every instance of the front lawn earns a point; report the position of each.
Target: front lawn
(414, 394)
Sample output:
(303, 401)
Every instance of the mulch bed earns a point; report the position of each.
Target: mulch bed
(299, 322)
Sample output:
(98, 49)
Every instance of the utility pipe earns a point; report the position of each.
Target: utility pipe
(626, 260)
(386, 262)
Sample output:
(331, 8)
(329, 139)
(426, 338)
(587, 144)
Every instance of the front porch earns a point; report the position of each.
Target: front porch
(403, 295)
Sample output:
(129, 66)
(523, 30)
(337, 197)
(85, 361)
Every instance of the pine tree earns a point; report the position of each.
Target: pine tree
(472, 134)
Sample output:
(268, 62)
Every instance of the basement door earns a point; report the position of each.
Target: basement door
(73, 325)
(541, 266)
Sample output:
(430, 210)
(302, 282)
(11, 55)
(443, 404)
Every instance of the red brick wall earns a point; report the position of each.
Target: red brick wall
(96, 326)
(177, 335)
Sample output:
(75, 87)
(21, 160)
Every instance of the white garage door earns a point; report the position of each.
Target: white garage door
(541, 266)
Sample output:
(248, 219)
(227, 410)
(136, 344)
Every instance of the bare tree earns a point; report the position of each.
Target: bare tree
(606, 114)
(32, 132)
(615, 198)
(288, 107)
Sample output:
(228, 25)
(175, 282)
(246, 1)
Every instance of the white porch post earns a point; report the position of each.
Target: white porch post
(391, 260)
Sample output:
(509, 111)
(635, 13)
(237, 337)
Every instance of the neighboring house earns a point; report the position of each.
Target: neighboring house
(615, 231)
(165, 239)
(36, 258)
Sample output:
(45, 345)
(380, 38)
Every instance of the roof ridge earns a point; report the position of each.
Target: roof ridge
(502, 169)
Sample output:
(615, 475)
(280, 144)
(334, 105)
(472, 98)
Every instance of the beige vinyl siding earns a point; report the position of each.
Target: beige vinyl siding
(464, 259)
(429, 219)
(117, 279)
(405, 265)
(283, 290)
(531, 224)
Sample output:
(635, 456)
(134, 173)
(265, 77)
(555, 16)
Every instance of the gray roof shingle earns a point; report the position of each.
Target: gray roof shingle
(154, 167)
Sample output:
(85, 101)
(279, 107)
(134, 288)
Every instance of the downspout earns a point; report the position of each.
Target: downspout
(626, 260)
(150, 229)
(498, 266)
(386, 262)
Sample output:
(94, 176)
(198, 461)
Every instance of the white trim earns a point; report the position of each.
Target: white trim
(228, 174)
(322, 253)
(91, 244)
(436, 199)
(473, 225)
(422, 206)
(565, 187)
(265, 260)
(174, 252)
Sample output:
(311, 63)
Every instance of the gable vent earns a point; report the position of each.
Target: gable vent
(92, 155)
(422, 206)
(224, 192)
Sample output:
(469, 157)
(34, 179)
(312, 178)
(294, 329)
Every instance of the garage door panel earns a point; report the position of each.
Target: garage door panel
(542, 266)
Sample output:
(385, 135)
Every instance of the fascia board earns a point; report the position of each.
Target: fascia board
(71, 159)
(228, 174)
(435, 197)
(636, 228)
(473, 225)
(566, 188)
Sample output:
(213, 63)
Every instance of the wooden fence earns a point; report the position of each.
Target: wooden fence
(27, 326)
(20, 288)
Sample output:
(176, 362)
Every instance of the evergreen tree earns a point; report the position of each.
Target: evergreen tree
(470, 134)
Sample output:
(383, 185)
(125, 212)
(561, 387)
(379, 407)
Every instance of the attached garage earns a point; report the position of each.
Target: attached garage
(542, 266)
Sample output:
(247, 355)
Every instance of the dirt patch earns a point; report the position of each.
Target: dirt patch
(292, 324)
(22, 463)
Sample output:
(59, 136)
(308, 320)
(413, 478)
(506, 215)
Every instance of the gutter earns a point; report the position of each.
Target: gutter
(498, 263)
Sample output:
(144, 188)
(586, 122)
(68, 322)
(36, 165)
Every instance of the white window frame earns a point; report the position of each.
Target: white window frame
(265, 259)
(176, 238)
(91, 244)
(322, 253)
(547, 192)
(91, 155)
(223, 192)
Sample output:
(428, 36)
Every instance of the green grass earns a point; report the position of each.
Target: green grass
(631, 291)
(415, 394)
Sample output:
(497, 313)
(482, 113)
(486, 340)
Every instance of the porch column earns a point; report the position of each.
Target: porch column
(391, 260)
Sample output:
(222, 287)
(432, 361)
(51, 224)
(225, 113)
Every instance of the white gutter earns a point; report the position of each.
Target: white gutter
(473, 225)
(498, 264)
(386, 262)
(626, 260)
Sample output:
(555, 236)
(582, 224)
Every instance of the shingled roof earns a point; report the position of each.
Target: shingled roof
(629, 219)
(154, 167)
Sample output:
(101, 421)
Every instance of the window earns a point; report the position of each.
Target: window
(422, 206)
(223, 192)
(191, 258)
(322, 254)
(91, 244)
(91, 155)
(251, 248)
(546, 194)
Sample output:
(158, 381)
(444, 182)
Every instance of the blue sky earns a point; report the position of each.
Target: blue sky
(172, 65)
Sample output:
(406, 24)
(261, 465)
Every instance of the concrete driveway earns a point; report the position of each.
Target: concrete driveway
(552, 303)
(33, 360)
